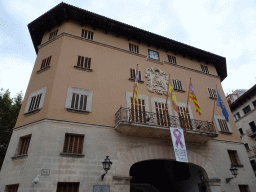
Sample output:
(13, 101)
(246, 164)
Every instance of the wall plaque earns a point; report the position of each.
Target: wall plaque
(101, 188)
(45, 172)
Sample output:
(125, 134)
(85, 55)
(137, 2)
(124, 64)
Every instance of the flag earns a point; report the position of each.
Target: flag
(135, 86)
(220, 103)
(192, 97)
(173, 97)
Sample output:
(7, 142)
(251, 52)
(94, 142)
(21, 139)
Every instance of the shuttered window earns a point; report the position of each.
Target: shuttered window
(24, 144)
(243, 188)
(73, 143)
(184, 118)
(133, 74)
(138, 114)
(133, 48)
(84, 62)
(247, 109)
(162, 114)
(172, 59)
(87, 34)
(46, 62)
(12, 188)
(252, 126)
(223, 125)
(79, 102)
(212, 93)
(177, 85)
(67, 187)
(35, 101)
(53, 34)
(233, 157)
(204, 68)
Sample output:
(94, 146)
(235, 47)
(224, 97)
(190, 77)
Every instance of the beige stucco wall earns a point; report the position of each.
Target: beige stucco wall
(109, 79)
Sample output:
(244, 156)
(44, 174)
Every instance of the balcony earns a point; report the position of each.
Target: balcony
(251, 133)
(152, 125)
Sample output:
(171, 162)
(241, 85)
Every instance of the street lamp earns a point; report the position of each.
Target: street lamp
(106, 166)
(234, 172)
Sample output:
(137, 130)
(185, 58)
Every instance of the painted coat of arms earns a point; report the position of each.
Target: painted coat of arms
(157, 80)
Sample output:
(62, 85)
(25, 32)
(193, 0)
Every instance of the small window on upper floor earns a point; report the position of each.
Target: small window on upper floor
(223, 125)
(241, 131)
(177, 85)
(212, 93)
(73, 143)
(247, 109)
(79, 100)
(254, 104)
(12, 188)
(246, 146)
(133, 48)
(133, 75)
(35, 101)
(172, 59)
(243, 188)
(45, 64)
(53, 34)
(233, 157)
(204, 68)
(84, 63)
(237, 116)
(252, 126)
(87, 34)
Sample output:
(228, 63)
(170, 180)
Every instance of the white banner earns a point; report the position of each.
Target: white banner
(179, 145)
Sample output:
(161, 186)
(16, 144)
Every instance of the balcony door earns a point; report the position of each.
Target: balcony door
(184, 117)
(162, 114)
(138, 114)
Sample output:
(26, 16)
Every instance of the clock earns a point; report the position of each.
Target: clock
(153, 55)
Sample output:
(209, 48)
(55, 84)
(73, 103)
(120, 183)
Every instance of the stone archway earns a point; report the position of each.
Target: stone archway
(152, 152)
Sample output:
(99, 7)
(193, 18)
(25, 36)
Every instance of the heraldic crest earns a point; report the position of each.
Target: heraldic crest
(157, 80)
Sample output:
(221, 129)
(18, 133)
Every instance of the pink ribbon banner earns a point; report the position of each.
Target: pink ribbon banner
(179, 145)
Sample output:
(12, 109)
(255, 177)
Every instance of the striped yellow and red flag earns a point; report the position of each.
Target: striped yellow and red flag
(135, 86)
(173, 98)
(192, 97)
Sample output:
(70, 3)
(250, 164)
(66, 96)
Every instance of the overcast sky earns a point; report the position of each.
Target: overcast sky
(226, 28)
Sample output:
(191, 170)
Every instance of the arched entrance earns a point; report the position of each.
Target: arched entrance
(165, 175)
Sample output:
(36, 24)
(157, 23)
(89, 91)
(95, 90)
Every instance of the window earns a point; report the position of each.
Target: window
(241, 131)
(35, 101)
(204, 68)
(24, 144)
(237, 116)
(67, 187)
(254, 104)
(243, 188)
(177, 85)
(73, 143)
(79, 100)
(212, 93)
(45, 64)
(247, 146)
(223, 125)
(252, 126)
(133, 75)
(84, 63)
(162, 115)
(247, 109)
(87, 34)
(233, 157)
(184, 117)
(138, 114)
(53, 34)
(172, 59)
(253, 163)
(12, 188)
(133, 48)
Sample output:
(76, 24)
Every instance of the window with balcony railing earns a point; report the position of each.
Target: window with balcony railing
(162, 114)
(252, 126)
(138, 112)
(184, 117)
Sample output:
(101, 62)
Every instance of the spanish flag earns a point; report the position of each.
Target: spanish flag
(173, 97)
(192, 97)
(135, 86)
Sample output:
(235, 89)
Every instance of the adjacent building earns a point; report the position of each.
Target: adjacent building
(79, 108)
(244, 112)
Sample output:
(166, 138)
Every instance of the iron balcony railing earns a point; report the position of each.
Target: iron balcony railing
(129, 115)
(251, 132)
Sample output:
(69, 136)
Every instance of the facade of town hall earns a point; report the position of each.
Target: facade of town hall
(79, 108)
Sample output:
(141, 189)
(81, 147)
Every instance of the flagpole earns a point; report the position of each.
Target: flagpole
(133, 94)
(214, 106)
(166, 98)
(188, 96)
